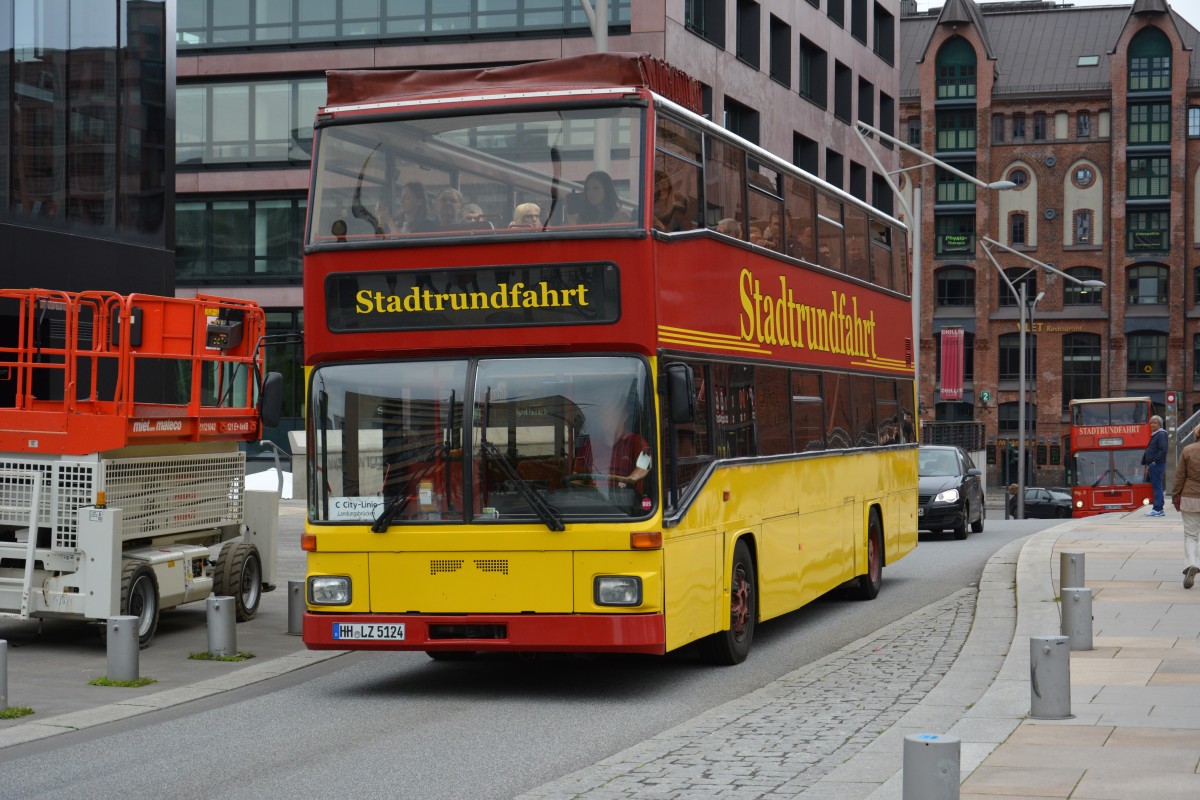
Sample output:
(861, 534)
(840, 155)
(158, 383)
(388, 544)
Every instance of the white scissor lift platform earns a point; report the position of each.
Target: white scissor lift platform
(122, 486)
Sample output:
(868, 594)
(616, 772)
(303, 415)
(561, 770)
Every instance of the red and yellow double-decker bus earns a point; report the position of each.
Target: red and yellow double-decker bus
(587, 372)
(1108, 438)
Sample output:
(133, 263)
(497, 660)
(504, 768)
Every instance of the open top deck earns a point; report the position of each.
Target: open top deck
(92, 372)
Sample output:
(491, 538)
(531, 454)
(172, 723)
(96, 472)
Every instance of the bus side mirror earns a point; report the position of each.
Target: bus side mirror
(681, 393)
(270, 400)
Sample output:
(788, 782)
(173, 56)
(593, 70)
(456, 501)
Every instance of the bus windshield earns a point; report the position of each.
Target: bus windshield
(510, 171)
(542, 440)
(1108, 467)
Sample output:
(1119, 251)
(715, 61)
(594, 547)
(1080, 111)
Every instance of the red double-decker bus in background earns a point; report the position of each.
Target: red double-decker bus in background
(1108, 437)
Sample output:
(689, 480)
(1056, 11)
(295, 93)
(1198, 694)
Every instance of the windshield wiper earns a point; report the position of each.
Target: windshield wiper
(428, 460)
(550, 516)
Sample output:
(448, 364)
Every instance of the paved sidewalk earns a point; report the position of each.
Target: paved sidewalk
(834, 729)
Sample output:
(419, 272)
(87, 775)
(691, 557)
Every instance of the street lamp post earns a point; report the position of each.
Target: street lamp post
(1019, 296)
(863, 130)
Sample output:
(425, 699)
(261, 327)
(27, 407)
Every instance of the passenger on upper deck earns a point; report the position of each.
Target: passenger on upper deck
(597, 204)
(448, 207)
(473, 213)
(414, 211)
(527, 215)
(669, 211)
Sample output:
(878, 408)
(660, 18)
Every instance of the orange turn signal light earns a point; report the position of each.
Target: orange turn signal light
(308, 541)
(645, 541)
(101, 500)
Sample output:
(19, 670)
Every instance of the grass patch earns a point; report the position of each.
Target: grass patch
(104, 681)
(15, 712)
(206, 656)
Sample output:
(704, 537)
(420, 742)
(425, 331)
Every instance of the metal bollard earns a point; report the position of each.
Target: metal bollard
(295, 608)
(931, 766)
(1070, 570)
(1050, 677)
(122, 648)
(3, 674)
(222, 627)
(1077, 617)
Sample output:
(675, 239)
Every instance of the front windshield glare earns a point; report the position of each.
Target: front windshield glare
(549, 440)
(937, 464)
(513, 173)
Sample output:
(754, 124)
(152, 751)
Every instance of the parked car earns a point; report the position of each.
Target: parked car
(950, 491)
(1042, 503)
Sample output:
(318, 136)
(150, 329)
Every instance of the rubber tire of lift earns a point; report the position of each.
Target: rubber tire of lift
(238, 564)
(140, 598)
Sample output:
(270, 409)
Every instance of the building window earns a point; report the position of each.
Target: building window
(1150, 62)
(1017, 277)
(836, 10)
(955, 235)
(953, 189)
(881, 195)
(913, 127)
(997, 128)
(1081, 360)
(1147, 356)
(1147, 285)
(806, 154)
(260, 121)
(1149, 177)
(885, 34)
(1019, 176)
(1083, 176)
(1196, 357)
(1010, 356)
(1194, 121)
(955, 130)
(1148, 231)
(706, 19)
(749, 22)
(1039, 126)
(956, 70)
(1083, 226)
(1018, 127)
(1016, 227)
(242, 240)
(834, 167)
(1149, 123)
(887, 116)
(813, 76)
(219, 23)
(742, 120)
(1008, 419)
(858, 20)
(843, 91)
(1083, 124)
(781, 51)
(866, 101)
(1076, 295)
(955, 287)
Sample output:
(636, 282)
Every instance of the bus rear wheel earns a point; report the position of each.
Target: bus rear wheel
(731, 646)
(869, 584)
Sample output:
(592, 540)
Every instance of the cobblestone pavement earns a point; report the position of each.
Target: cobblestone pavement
(782, 739)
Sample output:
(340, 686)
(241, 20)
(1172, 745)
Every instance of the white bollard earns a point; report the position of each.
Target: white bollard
(222, 626)
(1077, 617)
(122, 648)
(3, 674)
(295, 607)
(1050, 677)
(931, 766)
(1070, 571)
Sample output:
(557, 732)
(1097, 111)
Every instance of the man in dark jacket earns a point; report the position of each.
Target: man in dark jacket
(1155, 459)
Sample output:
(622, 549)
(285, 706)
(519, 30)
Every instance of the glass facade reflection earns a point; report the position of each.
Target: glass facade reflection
(237, 240)
(85, 127)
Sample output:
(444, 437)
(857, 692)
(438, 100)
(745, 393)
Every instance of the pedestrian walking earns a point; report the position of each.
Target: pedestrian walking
(1155, 459)
(1185, 496)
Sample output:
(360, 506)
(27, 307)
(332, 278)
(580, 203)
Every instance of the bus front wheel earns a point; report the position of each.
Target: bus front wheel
(731, 646)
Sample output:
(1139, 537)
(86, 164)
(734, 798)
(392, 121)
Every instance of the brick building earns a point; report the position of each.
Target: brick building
(1094, 114)
(790, 76)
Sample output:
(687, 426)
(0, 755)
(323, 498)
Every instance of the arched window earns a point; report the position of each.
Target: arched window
(1010, 357)
(955, 287)
(1147, 285)
(1149, 62)
(1147, 355)
(1081, 358)
(1076, 295)
(956, 69)
(1018, 276)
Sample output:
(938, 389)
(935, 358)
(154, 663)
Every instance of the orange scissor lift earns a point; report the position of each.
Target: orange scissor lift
(122, 486)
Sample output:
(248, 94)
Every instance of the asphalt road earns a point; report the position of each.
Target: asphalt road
(401, 725)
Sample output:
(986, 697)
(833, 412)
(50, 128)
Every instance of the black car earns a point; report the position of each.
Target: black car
(950, 491)
(1043, 503)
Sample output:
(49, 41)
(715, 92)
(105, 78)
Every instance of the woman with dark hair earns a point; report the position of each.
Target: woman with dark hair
(597, 204)
(414, 211)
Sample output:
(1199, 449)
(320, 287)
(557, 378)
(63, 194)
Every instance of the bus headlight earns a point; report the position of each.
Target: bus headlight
(617, 590)
(329, 590)
(1079, 504)
(948, 496)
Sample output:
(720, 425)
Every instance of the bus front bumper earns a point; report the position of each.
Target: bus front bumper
(546, 633)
